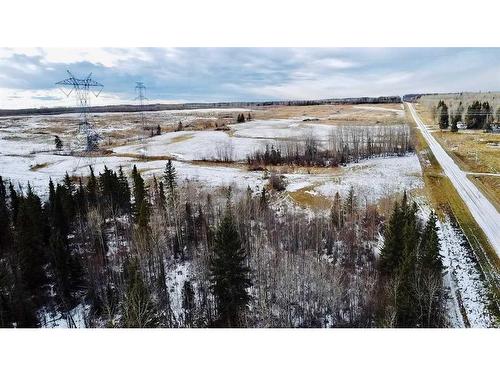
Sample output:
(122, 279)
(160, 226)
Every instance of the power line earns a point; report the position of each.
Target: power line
(83, 88)
(140, 90)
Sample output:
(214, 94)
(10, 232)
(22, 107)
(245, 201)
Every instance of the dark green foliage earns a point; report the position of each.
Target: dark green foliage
(81, 199)
(479, 116)
(443, 116)
(30, 241)
(391, 253)
(411, 264)
(457, 116)
(337, 212)
(140, 205)
(5, 225)
(92, 189)
(58, 143)
(240, 118)
(229, 274)
(114, 190)
(138, 308)
(188, 302)
(65, 264)
(170, 176)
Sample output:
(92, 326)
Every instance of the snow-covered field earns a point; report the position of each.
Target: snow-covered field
(29, 156)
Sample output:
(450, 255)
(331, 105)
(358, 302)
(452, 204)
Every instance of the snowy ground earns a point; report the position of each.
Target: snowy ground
(464, 277)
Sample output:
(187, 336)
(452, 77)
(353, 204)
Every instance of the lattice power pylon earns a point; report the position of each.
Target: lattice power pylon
(82, 89)
(140, 90)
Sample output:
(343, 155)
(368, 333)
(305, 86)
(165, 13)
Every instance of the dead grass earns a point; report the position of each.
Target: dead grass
(37, 167)
(181, 138)
(305, 199)
(490, 186)
(474, 150)
(335, 114)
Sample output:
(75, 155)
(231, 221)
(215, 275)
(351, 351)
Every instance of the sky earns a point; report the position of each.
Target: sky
(176, 75)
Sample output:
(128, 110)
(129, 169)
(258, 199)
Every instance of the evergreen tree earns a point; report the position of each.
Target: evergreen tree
(486, 116)
(58, 143)
(123, 192)
(229, 275)
(92, 189)
(263, 201)
(457, 116)
(5, 225)
(158, 130)
(443, 117)
(336, 212)
(391, 253)
(429, 247)
(30, 242)
(81, 199)
(188, 303)
(138, 308)
(170, 176)
(14, 203)
(139, 193)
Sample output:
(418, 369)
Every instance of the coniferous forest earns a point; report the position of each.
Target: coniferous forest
(131, 252)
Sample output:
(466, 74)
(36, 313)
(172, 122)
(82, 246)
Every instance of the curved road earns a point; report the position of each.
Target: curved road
(479, 206)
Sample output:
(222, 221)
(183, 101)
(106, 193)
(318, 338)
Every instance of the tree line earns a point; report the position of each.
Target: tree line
(345, 144)
(139, 253)
(478, 115)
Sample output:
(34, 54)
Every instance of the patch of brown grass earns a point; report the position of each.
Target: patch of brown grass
(305, 199)
(181, 138)
(490, 186)
(474, 150)
(37, 167)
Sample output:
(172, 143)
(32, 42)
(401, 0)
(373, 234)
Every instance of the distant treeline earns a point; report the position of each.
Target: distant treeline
(167, 107)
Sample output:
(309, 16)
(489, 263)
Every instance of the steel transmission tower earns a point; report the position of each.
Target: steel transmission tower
(140, 90)
(82, 89)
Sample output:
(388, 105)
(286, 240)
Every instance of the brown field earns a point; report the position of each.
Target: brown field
(474, 150)
(490, 185)
(337, 114)
(306, 200)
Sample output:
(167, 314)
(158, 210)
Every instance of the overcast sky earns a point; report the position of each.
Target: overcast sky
(28, 76)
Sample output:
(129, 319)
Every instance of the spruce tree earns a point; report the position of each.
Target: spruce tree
(58, 143)
(92, 189)
(391, 253)
(30, 241)
(443, 117)
(229, 274)
(5, 225)
(138, 308)
(139, 193)
(170, 176)
(123, 192)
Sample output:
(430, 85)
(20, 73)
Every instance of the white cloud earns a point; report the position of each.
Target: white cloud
(108, 57)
